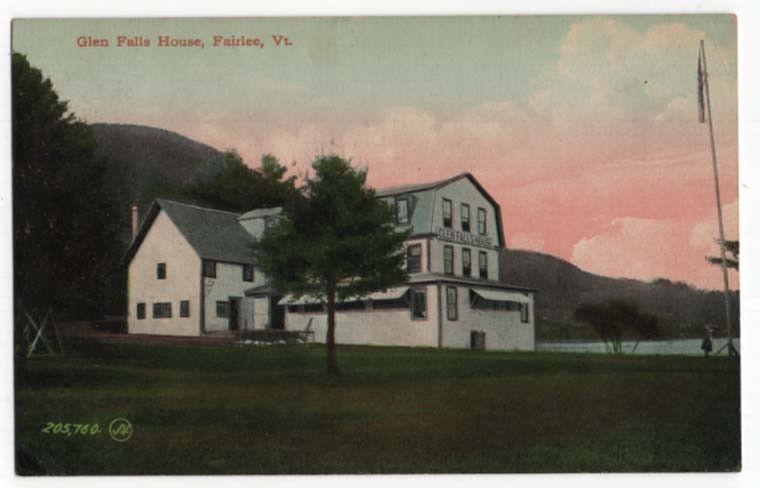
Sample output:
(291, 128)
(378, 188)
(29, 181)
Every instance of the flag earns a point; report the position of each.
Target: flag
(700, 88)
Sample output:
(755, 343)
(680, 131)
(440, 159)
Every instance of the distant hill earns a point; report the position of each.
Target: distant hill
(146, 162)
(562, 287)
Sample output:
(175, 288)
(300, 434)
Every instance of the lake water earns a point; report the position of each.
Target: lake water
(677, 346)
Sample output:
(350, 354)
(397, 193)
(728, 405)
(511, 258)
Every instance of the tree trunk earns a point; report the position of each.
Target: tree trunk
(332, 361)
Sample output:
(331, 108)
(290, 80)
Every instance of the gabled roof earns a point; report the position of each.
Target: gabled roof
(434, 185)
(397, 190)
(213, 234)
(219, 235)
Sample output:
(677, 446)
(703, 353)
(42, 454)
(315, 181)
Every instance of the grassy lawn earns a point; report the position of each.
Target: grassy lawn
(203, 410)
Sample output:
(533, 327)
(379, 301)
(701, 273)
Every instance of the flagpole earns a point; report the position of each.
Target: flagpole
(726, 296)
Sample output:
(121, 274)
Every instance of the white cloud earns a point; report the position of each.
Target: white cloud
(650, 248)
(705, 232)
(635, 248)
(608, 73)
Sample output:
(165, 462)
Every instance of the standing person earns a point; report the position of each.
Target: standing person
(707, 342)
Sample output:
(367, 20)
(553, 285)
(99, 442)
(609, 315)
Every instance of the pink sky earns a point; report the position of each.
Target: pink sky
(583, 128)
(619, 184)
(609, 204)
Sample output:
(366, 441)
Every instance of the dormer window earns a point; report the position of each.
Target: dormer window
(447, 213)
(402, 211)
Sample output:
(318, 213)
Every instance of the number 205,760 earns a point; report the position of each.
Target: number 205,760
(68, 429)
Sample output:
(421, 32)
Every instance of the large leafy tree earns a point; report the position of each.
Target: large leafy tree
(336, 240)
(63, 223)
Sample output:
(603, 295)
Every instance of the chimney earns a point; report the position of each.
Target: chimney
(134, 221)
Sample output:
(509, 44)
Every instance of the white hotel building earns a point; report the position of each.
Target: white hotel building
(190, 273)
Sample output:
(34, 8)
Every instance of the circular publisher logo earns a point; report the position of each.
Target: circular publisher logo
(120, 429)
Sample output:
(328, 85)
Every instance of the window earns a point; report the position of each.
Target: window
(209, 268)
(140, 311)
(419, 303)
(414, 258)
(481, 221)
(524, 317)
(447, 213)
(483, 264)
(162, 310)
(247, 272)
(452, 312)
(402, 211)
(448, 259)
(184, 308)
(466, 262)
(223, 309)
(161, 271)
(465, 217)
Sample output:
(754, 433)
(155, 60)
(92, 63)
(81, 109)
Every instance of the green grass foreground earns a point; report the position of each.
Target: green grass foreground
(221, 410)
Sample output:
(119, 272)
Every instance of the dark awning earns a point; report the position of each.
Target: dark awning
(502, 296)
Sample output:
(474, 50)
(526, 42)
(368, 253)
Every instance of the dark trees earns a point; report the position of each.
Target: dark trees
(615, 319)
(63, 223)
(229, 184)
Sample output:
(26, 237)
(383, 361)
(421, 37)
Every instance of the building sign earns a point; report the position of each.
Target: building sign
(459, 237)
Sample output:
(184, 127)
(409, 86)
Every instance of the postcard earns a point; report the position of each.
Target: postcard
(376, 245)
